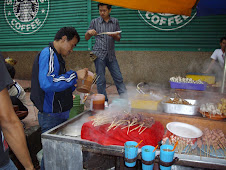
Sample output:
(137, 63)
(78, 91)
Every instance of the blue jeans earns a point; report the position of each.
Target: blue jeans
(114, 69)
(9, 166)
(47, 122)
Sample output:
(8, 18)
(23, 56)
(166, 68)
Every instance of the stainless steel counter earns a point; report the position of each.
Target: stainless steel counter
(63, 148)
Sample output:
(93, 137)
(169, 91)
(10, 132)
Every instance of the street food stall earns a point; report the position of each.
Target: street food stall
(201, 133)
(186, 115)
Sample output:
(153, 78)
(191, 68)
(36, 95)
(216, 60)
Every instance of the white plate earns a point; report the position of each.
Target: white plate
(109, 33)
(184, 130)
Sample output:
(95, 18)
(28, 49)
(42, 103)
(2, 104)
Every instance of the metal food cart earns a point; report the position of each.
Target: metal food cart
(63, 151)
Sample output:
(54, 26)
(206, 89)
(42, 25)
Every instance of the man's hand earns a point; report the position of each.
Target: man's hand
(82, 74)
(92, 32)
(115, 36)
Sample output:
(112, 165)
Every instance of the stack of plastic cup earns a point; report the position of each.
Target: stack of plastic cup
(166, 155)
(77, 107)
(147, 155)
(130, 152)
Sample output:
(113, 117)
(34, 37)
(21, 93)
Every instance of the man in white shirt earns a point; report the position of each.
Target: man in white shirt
(218, 55)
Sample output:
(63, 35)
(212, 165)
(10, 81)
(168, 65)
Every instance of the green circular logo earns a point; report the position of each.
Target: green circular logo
(166, 22)
(26, 16)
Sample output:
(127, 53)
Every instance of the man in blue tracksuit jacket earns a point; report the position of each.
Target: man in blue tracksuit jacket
(51, 85)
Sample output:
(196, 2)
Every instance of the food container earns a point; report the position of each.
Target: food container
(210, 79)
(143, 101)
(97, 102)
(181, 108)
(84, 86)
(188, 86)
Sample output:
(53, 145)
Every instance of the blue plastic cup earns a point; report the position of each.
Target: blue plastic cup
(166, 156)
(130, 152)
(147, 155)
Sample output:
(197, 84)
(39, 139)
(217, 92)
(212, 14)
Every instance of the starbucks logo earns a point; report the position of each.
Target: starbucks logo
(26, 16)
(166, 22)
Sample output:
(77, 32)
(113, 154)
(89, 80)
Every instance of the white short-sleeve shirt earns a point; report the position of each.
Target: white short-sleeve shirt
(218, 55)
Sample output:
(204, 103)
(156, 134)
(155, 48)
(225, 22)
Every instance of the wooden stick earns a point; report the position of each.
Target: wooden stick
(135, 128)
(200, 152)
(143, 130)
(223, 147)
(128, 130)
(141, 127)
(117, 125)
(189, 147)
(215, 151)
(207, 149)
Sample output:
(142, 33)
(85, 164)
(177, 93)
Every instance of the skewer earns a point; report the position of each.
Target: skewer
(215, 151)
(143, 130)
(222, 149)
(207, 149)
(200, 153)
(222, 143)
(141, 127)
(135, 128)
(127, 125)
(189, 147)
(128, 130)
(117, 125)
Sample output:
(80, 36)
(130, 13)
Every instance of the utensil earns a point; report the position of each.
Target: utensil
(109, 33)
(138, 143)
(175, 146)
(155, 148)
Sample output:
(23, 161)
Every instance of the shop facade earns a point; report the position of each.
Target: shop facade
(153, 47)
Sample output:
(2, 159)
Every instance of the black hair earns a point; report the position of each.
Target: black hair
(70, 32)
(102, 4)
(223, 38)
(11, 70)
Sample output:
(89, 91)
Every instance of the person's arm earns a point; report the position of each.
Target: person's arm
(13, 131)
(91, 31)
(49, 79)
(117, 36)
(210, 66)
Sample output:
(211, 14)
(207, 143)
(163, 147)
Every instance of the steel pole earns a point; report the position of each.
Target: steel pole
(224, 75)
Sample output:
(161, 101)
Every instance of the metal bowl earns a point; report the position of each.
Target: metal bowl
(181, 108)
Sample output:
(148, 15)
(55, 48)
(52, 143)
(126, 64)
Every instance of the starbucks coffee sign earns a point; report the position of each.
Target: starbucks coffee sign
(26, 16)
(166, 22)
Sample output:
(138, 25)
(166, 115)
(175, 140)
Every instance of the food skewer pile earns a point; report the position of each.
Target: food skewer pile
(124, 120)
(183, 143)
(214, 138)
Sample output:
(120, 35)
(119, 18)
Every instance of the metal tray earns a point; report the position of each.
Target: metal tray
(181, 108)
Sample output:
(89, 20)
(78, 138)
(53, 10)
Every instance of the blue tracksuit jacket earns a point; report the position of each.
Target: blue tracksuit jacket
(51, 85)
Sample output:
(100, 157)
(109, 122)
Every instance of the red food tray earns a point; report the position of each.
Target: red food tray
(188, 86)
